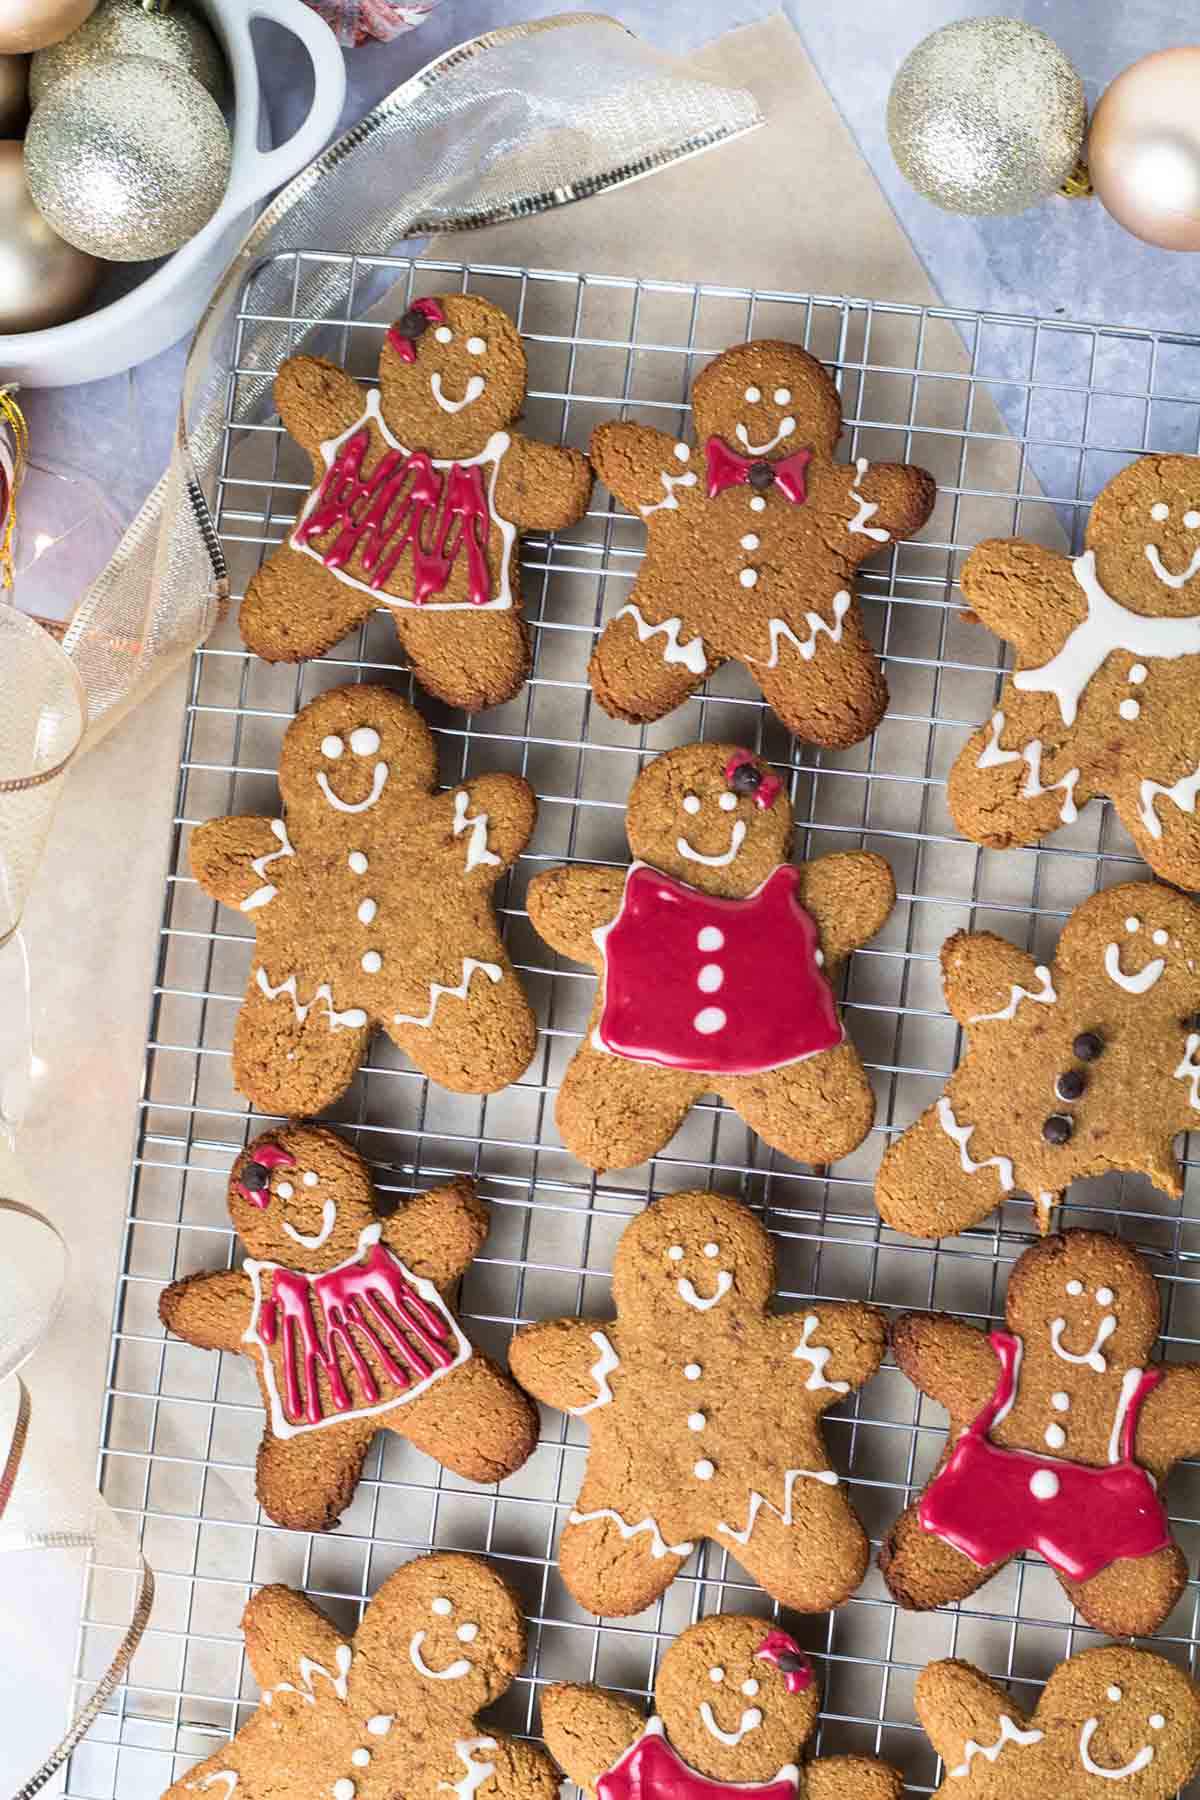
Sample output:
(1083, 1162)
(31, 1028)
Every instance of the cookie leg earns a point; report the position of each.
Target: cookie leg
(295, 607)
(306, 1482)
(469, 659)
(1004, 797)
(923, 1571)
(924, 1186)
(1133, 1596)
(836, 697)
(609, 1562)
(289, 1065)
(474, 1421)
(630, 673)
(812, 1564)
(812, 1111)
(477, 1044)
(614, 1114)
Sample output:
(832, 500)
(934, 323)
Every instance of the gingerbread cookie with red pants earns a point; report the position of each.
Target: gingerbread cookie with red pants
(705, 1415)
(1061, 1437)
(736, 1701)
(343, 1315)
(754, 535)
(421, 489)
(715, 958)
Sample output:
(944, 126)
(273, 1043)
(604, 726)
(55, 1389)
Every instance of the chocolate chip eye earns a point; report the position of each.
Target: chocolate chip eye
(1087, 1046)
(1070, 1084)
(761, 475)
(254, 1175)
(413, 324)
(1057, 1128)
(746, 779)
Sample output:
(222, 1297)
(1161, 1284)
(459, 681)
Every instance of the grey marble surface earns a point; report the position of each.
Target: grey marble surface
(110, 440)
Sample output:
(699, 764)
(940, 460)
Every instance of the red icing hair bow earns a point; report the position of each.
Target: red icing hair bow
(778, 1648)
(255, 1182)
(727, 469)
(419, 317)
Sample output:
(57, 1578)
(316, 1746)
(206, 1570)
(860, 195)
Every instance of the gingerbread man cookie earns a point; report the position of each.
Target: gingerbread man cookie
(343, 1315)
(372, 900)
(386, 1711)
(1075, 1069)
(715, 957)
(421, 489)
(753, 538)
(705, 1415)
(1103, 700)
(1113, 1720)
(1061, 1438)
(736, 1701)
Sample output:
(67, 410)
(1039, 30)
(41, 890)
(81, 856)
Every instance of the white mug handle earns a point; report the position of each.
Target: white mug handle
(266, 170)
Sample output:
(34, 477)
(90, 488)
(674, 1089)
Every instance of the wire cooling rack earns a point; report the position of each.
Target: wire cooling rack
(1021, 422)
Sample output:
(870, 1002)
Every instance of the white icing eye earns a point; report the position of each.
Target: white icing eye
(364, 741)
(727, 802)
(691, 803)
(716, 1676)
(692, 1371)
(358, 862)
(1104, 1296)
(285, 1190)
(1160, 511)
(444, 335)
(311, 1178)
(476, 347)
(676, 1253)
(332, 747)
(1074, 1288)
(372, 962)
(753, 395)
(712, 1249)
(1131, 925)
(682, 452)
(1114, 1693)
(1160, 938)
(1138, 674)
(467, 1634)
(1191, 520)
(750, 1688)
(1156, 1721)
(782, 396)
(441, 1607)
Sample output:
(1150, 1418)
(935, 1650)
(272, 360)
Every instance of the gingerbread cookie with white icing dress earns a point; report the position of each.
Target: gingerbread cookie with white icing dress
(736, 1702)
(1076, 1068)
(343, 1314)
(705, 1414)
(754, 535)
(1062, 1435)
(1110, 1721)
(372, 901)
(715, 956)
(389, 1709)
(1103, 698)
(421, 490)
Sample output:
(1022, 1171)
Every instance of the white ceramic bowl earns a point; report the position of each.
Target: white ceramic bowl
(167, 305)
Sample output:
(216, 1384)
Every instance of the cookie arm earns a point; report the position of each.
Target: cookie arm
(1025, 594)
(951, 1362)
(519, 1771)
(222, 854)
(900, 496)
(587, 1730)
(317, 401)
(542, 487)
(210, 1311)
(508, 810)
(566, 905)
(281, 1626)
(957, 1705)
(631, 460)
(438, 1234)
(851, 1778)
(1168, 1426)
(553, 1361)
(980, 972)
(855, 1337)
(850, 895)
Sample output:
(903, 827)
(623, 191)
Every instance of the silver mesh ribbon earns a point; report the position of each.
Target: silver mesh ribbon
(512, 123)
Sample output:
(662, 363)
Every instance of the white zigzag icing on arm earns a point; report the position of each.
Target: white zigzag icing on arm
(757, 1501)
(1046, 997)
(493, 971)
(1009, 1734)
(658, 1544)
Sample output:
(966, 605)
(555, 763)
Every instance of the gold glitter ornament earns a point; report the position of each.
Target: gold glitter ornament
(127, 28)
(43, 280)
(32, 24)
(986, 116)
(128, 159)
(14, 107)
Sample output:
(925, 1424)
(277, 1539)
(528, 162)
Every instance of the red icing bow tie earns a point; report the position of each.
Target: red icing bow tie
(419, 317)
(727, 469)
(255, 1182)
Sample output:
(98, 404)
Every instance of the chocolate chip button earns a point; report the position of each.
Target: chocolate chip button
(1087, 1046)
(746, 779)
(413, 324)
(1057, 1129)
(254, 1175)
(761, 475)
(1070, 1084)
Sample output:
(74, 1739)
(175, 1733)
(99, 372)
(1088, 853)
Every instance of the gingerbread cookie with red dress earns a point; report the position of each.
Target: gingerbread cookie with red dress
(1062, 1435)
(343, 1314)
(754, 535)
(736, 1701)
(715, 956)
(421, 490)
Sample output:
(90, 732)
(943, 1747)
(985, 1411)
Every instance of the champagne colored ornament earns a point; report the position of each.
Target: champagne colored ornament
(14, 105)
(1144, 149)
(43, 280)
(32, 24)
(14, 449)
(128, 159)
(986, 116)
(171, 34)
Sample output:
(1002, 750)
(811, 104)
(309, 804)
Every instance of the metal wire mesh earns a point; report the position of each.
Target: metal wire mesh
(1021, 421)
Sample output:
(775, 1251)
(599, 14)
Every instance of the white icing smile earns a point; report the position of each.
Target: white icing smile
(786, 427)
(1164, 574)
(751, 1720)
(475, 387)
(314, 1242)
(1092, 1357)
(736, 840)
(378, 783)
(690, 1297)
(452, 1672)
(1140, 983)
(1132, 1767)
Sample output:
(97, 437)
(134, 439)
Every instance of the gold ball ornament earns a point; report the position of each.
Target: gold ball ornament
(986, 116)
(128, 159)
(125, 28)
(32, 24)
(14, 103)
(1144, 149)
(43, 281)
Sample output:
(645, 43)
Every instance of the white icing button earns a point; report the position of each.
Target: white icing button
(285, 1190)
(467, 1634)
(1191, 520)
(475, 346)
(676, 1253)
(712, 1249)
(750, 1688)
(753, 395)
(1156, 1721)
(311, 1178)
(1138, 674)
(710, 938)
(360, 1758)
(1129, 709)
(749, 578)
(1074, 1287)
(343, 1788)
(691, 803)
(750, 541)
(442, 1607)
(1160, 938)
(704, 1470)
(716, 1675)
(380, 1724)
(1114, 1693)
(710, 978)
(758, 504)
(1104, 1296)
(1160, 511)
(332, 747)
(782, 396)
(1131, 924)
(682, 452)
(366, 911)
(1044, 1485)
(1056, 1437)
(364, 741)
(443, 334)
(692, 1371)
(727, 802)
(708, 1020)
(696, 1421)
(1060, 1402)
(372, 962)
(358, 862)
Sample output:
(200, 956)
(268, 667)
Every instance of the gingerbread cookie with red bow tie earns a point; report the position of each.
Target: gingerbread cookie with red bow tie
(715, 956)
(421, 490)
(753, 537)
(736, 1701)
(342, 1313)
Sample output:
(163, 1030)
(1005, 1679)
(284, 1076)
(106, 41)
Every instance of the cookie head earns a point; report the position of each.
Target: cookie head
(688, 1254)
(737, 1698)
(446, 1632)
(451, 374)
(1087, 1298)
(1137, 948)
(300, 1196)
(767, 399)
(351, 753)
(712, 815)
(1133, 1717)
(1145, 530)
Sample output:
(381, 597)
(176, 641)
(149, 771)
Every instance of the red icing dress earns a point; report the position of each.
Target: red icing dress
(724, 987)
(990, 1502)
(651, 1770)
